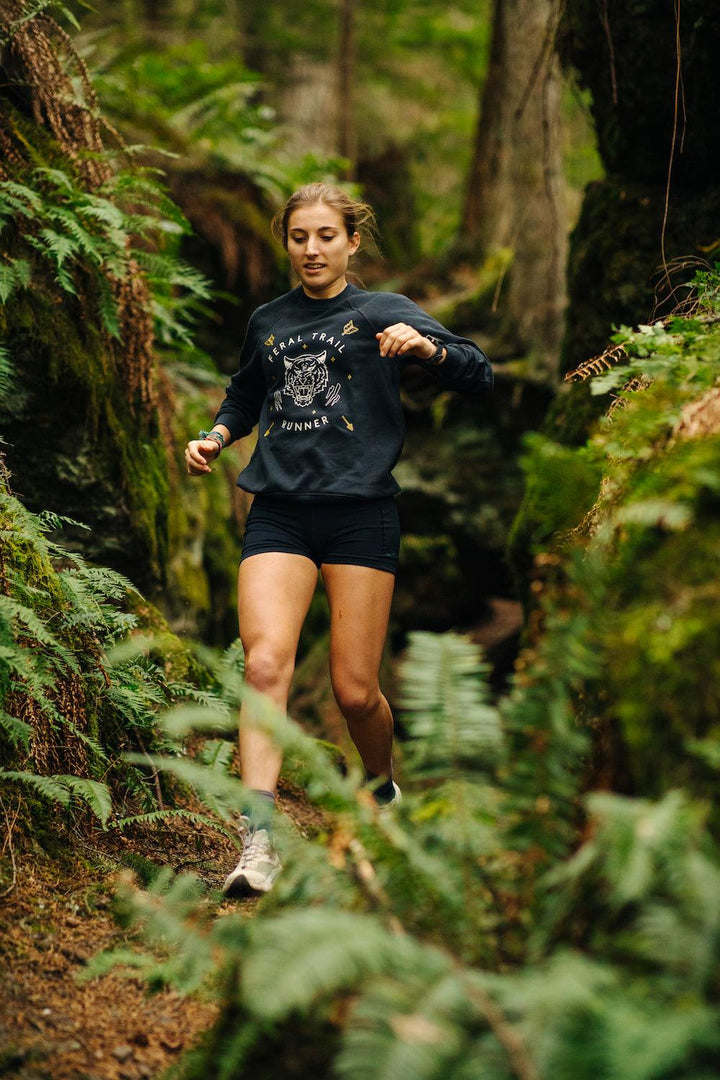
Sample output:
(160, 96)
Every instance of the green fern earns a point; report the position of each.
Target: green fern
(60, 789)
(17, 731)
(159, 817)
(452, 726)
(50, 787)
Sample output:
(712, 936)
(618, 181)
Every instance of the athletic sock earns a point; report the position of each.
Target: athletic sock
(260, 811)
(385, 792)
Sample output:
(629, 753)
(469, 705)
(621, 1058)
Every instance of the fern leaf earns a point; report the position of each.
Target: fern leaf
(304, 956)
(8, 281)
(7, 371)
(12, 610)
(159, 816)
(108, 309)
(47, 786)
(85, 242)
(58, 247)
(17, 731)
(451, 724)
(95, 794)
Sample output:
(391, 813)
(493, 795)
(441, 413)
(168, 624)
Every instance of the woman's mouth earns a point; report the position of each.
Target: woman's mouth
(314, 266)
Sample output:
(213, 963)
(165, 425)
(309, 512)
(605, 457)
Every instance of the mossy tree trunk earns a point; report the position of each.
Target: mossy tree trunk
(514, 217)
(652, 72)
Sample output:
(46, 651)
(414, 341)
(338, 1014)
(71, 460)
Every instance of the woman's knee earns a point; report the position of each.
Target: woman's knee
(268, 668)
(356, 698)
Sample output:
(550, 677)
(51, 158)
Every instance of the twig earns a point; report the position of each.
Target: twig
(673, 144)
(9, 844)
(613, 74)
(369, 881)
(505, 1034)
(154, 774)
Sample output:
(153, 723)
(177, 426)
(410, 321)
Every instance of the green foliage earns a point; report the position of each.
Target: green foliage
(52, 222)
(31, 10)
(497, 924)
(446, 697)
(74, 689)
(60, 789)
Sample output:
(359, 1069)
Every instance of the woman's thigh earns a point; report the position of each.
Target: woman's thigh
(359, 599)
(274, 593)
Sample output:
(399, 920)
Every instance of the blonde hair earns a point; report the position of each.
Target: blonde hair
(357, 216)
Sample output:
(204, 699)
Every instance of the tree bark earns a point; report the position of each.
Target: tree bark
(347, 132)
(514, 210)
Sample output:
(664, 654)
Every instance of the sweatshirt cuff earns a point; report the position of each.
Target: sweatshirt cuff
(236, 427)
(452, 366)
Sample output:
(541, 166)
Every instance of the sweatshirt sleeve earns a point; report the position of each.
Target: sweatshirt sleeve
(247, 389)
(466, 367)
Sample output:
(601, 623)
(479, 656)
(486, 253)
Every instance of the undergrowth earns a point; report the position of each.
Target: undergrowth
(79, 684)
(545, 901)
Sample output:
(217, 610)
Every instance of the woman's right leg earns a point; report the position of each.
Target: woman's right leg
(274, 593)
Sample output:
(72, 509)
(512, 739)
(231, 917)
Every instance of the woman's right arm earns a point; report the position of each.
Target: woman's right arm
(200, 452)
(239, 411)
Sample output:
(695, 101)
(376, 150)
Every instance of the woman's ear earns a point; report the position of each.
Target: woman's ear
(354, 242)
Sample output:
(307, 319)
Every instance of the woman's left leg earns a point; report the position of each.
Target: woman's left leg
(359, 599)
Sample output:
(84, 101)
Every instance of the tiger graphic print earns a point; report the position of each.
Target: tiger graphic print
(306, 376)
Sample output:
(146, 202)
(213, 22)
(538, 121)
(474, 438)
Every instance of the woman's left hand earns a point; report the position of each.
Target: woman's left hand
(403, 340)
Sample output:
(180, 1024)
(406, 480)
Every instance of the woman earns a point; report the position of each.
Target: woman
(320, 373)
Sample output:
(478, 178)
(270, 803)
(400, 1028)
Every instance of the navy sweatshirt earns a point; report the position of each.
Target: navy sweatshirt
(327, 404)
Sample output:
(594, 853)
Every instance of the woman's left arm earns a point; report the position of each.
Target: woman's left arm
(457, 362)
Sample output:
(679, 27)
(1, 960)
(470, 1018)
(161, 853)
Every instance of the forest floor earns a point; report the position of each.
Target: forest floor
(55, 1025)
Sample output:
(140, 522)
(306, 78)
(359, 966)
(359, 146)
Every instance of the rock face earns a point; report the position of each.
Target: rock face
(657, 114)
(461, 486)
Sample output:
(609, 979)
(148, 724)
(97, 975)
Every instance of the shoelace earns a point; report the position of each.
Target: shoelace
(254, 846)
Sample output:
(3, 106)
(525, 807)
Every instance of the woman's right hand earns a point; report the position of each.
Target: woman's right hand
(198, 455)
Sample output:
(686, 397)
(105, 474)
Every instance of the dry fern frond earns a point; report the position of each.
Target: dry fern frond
(638, 382)
(615, 354)
(39, 57)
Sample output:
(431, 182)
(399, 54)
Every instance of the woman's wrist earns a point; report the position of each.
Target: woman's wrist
(215, 436)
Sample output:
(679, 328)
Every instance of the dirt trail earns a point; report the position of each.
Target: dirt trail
(58, 916)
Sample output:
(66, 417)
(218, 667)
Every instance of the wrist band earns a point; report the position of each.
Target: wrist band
(216, 436)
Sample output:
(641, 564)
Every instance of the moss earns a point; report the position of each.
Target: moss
(99, 465)
(640, 580)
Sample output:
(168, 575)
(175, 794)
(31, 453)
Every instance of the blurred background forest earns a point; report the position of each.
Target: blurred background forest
(545, 180)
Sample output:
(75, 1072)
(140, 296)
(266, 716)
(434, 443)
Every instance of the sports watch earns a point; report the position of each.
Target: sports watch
(440, 348)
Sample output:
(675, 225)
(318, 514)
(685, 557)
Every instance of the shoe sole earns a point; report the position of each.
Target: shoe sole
(239, 885)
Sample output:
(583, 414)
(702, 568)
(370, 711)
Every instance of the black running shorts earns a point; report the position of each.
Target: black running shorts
(358, 532)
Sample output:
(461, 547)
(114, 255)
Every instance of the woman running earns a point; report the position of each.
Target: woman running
(320, 374)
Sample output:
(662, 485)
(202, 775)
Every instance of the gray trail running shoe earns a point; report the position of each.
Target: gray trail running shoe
(258, 867)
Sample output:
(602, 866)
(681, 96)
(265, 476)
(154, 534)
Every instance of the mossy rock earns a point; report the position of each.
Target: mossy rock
(99, 464)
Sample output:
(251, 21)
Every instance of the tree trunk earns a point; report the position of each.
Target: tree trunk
(514, 210)
(347, 133)
(652, 70)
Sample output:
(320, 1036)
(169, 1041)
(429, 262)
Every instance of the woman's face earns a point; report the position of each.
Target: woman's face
(319, 249)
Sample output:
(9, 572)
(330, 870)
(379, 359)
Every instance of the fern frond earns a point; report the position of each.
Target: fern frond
(92, 792)
(17, 731)
(13, 275)
(47, 786)
(11, 610)
(452, 726)
(155, 817)
(615, 354)
(305, 956)
(108, 309)
(7, 372)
